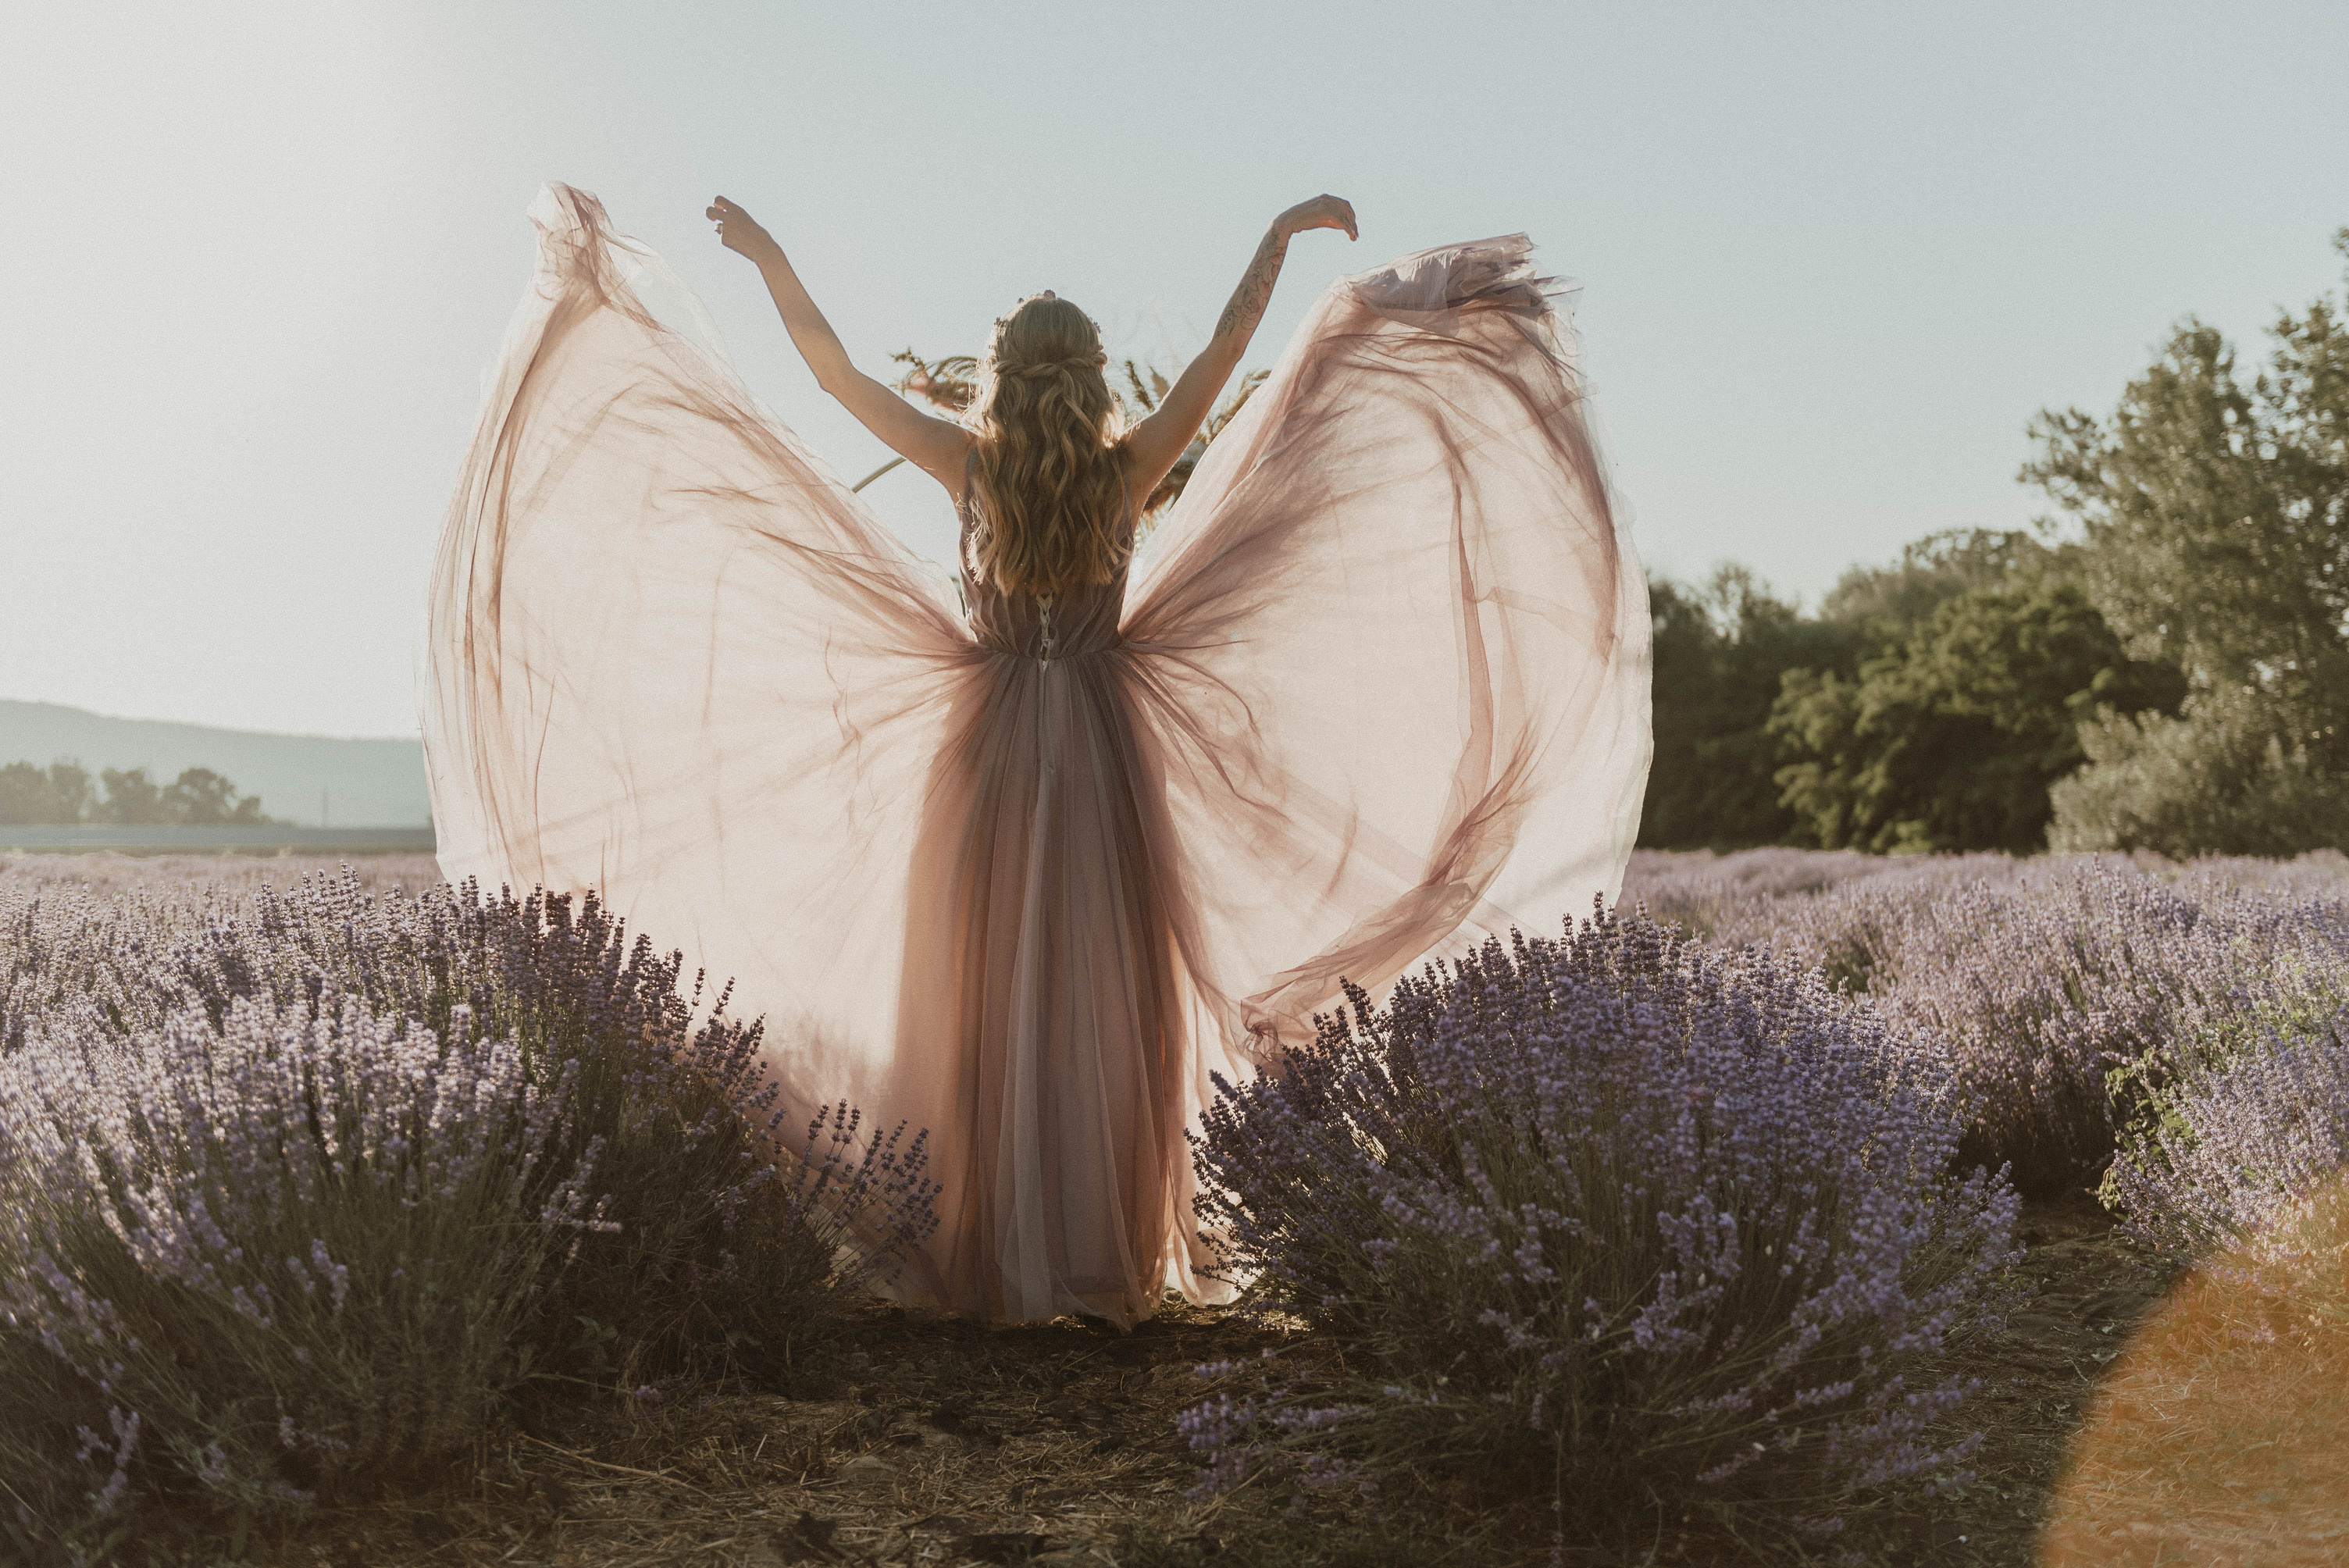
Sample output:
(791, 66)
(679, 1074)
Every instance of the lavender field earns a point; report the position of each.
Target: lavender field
(1815, 1207)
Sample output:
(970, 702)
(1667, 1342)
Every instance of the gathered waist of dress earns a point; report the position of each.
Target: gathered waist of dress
(1034, 647)
(1047, 629)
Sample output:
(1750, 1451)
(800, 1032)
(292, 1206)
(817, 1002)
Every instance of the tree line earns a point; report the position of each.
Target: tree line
(2165, 665)
(64, 794)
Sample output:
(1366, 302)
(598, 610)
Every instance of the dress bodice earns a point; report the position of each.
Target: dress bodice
(1073, 621)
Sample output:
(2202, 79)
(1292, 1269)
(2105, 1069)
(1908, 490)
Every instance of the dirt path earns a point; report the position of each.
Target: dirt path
(2089, 1292)
(950, 1443)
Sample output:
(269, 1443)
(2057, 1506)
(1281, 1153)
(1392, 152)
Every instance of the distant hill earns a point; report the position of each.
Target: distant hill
(313, 781)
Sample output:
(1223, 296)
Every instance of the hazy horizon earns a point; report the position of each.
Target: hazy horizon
(408, 734)
(349, 780)
(1834, 256)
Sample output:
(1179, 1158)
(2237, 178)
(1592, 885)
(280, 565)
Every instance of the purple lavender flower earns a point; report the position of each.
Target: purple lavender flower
(343, 1165)
(2247, 1142)
(1624, 1209)
(2039, 981)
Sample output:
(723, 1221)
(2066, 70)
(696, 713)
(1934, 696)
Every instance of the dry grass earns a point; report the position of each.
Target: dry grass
(2219, 1439)
(948, 1443)
(2083, 1293)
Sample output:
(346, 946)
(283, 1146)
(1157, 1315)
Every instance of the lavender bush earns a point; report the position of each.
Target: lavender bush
(285, 1251)
(2062, 989)
(1654, 1225)
(2320, 874)
(2248, 1124)
(1744, 897)
(302, 1183)
(66, 947)
(2040, 988)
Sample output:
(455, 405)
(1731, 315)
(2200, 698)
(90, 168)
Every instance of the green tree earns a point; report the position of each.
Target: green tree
(199, 797)
(132, 798)
(1719, 654)
(2215, 515)
(1888, 602)
(58, 795)
(63, 794)
(2215, 778)
(1950, 738)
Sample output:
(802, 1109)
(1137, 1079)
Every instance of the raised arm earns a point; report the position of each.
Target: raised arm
(935, 446)
(1159, 439)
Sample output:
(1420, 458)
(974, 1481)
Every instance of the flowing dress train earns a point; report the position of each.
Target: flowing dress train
(1027, 875)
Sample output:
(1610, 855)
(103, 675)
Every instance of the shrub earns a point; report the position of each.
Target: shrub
(1851, 927)
(382, 1157)
(2319, 874)
(1649, 1225)
(2043, 982)
(712, 1262)
(2039, 990)
(291, 1251)
(65, 948)
(2218, 777)
(2249, 1126)
(1703, 893)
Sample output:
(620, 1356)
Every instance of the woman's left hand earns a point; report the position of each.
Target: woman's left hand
(739, 230)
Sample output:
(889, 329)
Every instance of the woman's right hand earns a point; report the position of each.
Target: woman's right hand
(1321, 212)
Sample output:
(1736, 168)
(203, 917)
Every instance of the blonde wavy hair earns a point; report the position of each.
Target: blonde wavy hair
(1049, 475)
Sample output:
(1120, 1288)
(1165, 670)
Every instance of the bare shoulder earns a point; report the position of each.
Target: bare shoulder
(1153, 443)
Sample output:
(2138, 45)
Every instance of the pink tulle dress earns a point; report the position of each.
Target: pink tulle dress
(1377, 688)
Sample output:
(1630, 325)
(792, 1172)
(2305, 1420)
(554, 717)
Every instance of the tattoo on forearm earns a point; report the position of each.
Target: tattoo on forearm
(1255, 291)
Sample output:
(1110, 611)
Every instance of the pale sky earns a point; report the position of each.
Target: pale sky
(255, 256)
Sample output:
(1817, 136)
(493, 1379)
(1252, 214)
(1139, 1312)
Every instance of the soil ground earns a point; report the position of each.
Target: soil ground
(950, 1443)
(2088, 1291)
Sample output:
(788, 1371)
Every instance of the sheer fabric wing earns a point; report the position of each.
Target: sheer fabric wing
(1384, 681)
(1394, 646)
(674, 659)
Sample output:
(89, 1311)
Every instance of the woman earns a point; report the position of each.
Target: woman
(1026, 876)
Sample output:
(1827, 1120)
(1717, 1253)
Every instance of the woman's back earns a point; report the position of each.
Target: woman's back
(1078, 620)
